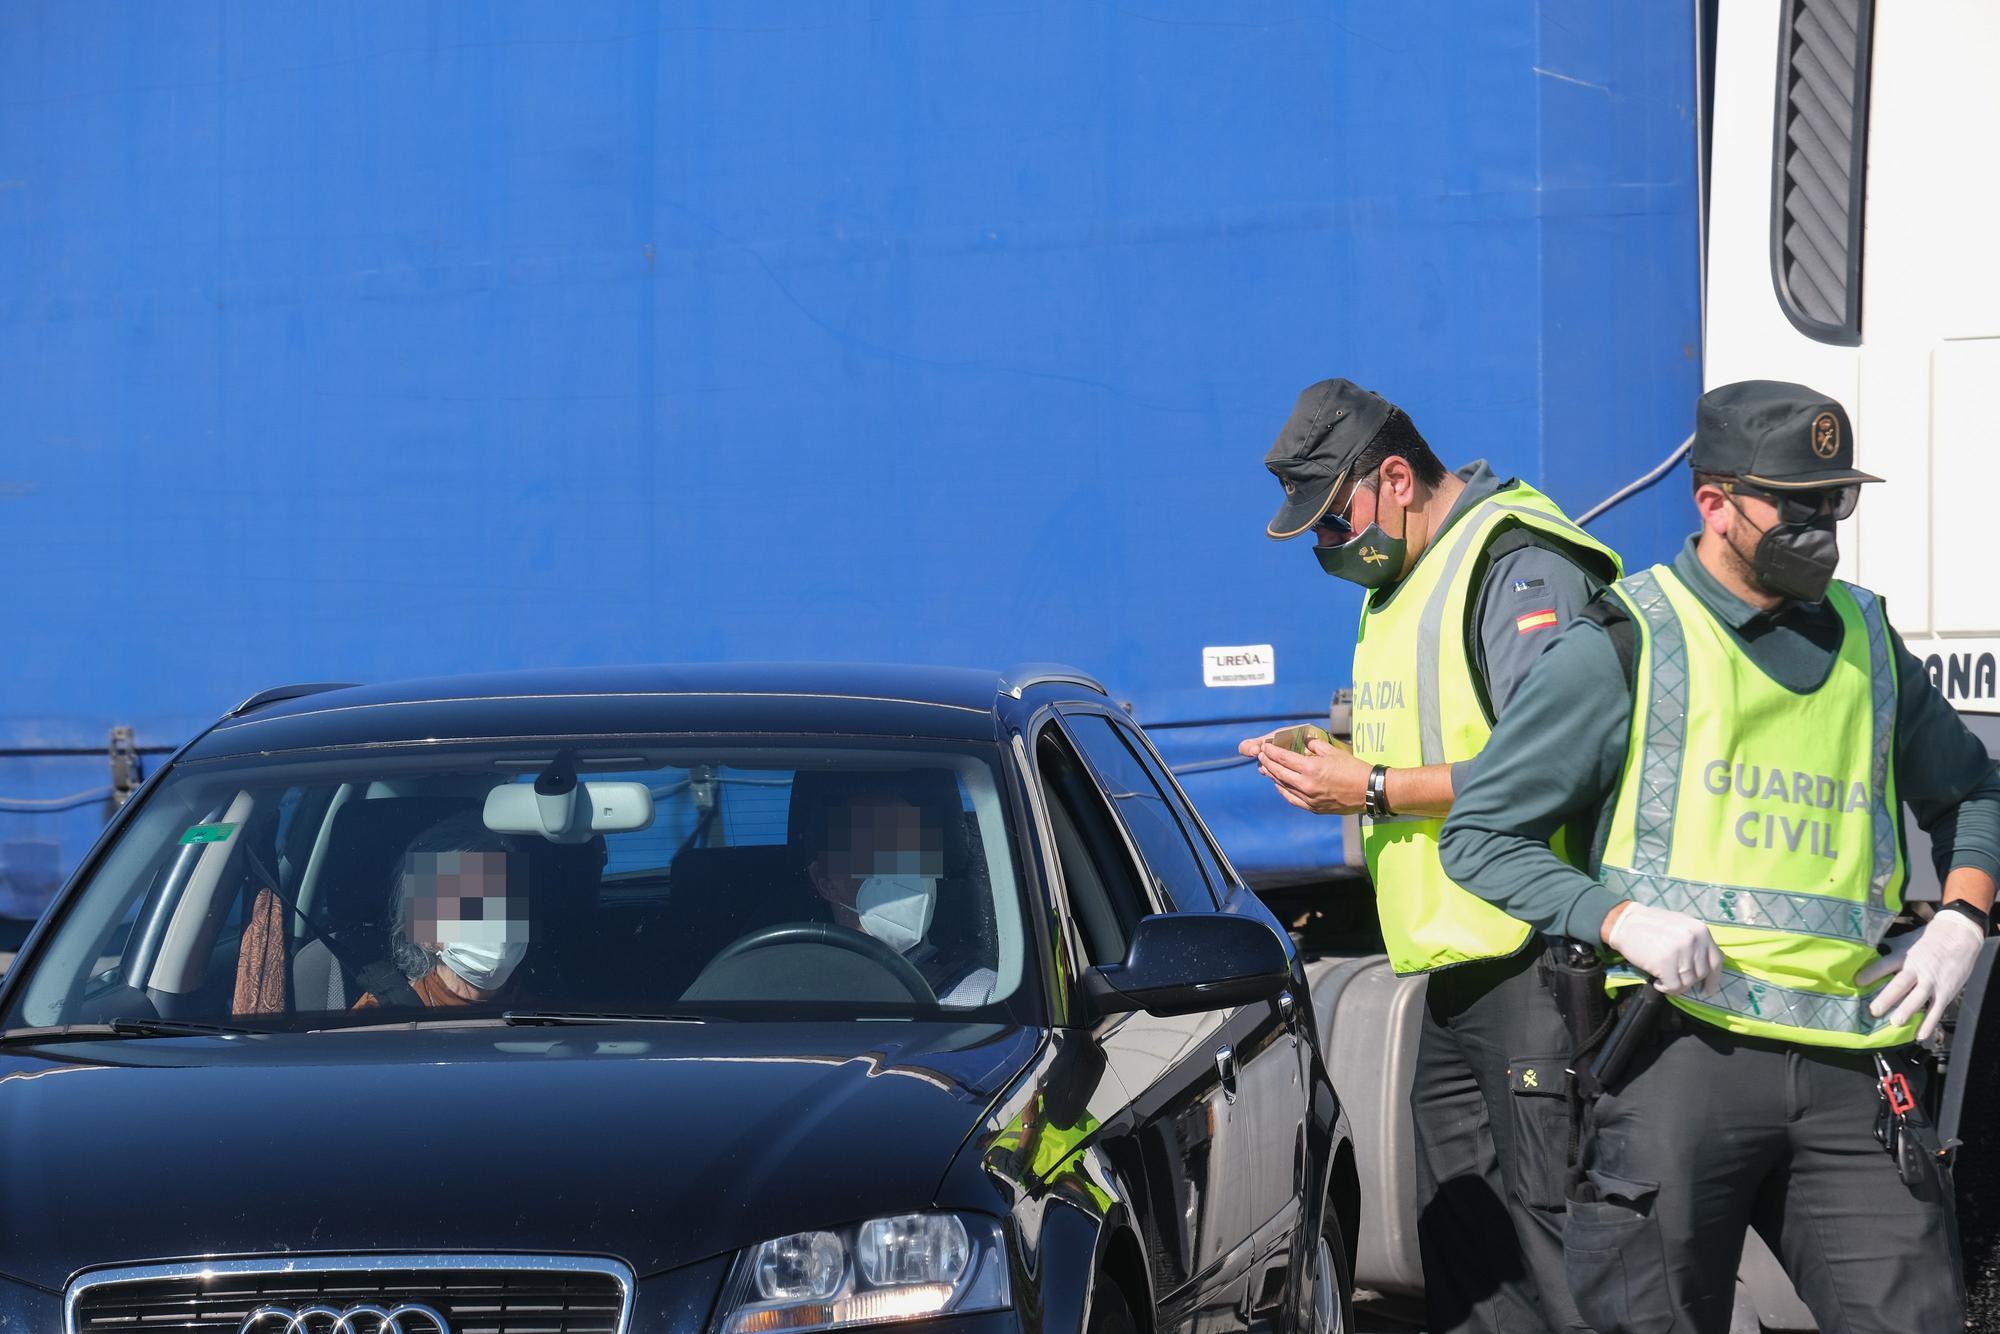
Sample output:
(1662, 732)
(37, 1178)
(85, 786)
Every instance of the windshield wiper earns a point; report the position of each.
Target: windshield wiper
(553, 1018)
(123, 1028)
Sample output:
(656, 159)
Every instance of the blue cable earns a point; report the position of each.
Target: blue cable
(1634, 487)
(33, 806)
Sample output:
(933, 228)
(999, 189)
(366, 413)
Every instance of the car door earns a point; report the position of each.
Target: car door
(1269, 1106)
(1200, 1214)
(1276, 1083)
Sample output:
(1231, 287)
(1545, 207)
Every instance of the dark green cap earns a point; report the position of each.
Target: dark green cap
(1774, 433)
(1330, 425)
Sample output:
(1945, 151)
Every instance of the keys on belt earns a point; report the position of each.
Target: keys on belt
(1903, 1129)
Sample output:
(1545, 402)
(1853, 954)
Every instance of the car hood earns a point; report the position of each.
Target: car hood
(658, 1145)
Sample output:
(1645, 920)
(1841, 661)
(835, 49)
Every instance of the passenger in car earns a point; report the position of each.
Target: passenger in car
(459, 917)
(879, 869)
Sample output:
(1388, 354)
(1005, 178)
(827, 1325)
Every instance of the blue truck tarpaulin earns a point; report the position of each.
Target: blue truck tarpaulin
(384, 340)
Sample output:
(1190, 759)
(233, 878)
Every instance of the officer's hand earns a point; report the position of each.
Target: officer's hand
(1675, 949)
(1329, 781)
(1930, 968)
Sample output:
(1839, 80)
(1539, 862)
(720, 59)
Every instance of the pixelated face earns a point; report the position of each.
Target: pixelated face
(878, 836)
(464, 897)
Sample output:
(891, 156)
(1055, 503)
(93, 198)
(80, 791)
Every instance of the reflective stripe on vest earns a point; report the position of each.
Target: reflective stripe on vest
(1417, 701)
(1740, 905)
(1776, 983)
(1811, 1010)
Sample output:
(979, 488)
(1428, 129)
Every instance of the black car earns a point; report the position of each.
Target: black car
(717, 1000)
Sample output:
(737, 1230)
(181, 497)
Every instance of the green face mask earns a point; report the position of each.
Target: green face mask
(1371, 558)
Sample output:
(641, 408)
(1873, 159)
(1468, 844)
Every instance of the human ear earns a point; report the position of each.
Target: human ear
(1714, 507)
(1398, 480)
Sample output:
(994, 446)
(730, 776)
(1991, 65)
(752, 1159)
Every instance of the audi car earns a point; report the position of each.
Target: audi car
(722, 1000)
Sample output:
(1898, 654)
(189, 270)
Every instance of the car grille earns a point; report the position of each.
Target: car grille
(475, 1295)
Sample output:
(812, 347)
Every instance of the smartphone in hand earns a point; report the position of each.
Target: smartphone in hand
(1295, 739)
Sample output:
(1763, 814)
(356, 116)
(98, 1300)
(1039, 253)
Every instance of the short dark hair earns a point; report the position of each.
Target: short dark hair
(1702, 479)
(1398, 437)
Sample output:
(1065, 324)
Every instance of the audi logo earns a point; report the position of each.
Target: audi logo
(361, 1318)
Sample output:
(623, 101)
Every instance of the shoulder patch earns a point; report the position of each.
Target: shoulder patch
(1545, 619)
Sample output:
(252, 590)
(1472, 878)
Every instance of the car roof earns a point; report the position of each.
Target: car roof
(722, 698)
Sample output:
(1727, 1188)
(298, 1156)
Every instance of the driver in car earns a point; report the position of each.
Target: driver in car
(879, 871)
(459, 909)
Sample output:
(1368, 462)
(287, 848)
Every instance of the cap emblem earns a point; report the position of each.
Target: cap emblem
(1826, 435)
(1291, 488)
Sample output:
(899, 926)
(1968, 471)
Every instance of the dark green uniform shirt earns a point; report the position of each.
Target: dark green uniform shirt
(1557, 753)
(1523, 572)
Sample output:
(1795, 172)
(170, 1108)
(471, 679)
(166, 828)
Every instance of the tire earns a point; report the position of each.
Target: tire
(1110, 1313)
(1329, 1306)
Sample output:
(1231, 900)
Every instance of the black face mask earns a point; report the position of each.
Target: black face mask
(1795, 560)
(1370, 558)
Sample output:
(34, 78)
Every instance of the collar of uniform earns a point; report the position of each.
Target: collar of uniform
(1731, 610)
(1480, 483)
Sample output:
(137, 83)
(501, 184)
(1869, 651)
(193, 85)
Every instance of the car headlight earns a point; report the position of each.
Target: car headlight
(904, 1267)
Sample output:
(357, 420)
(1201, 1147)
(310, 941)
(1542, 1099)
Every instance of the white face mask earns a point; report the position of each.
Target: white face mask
(484, 954)
(896, 909)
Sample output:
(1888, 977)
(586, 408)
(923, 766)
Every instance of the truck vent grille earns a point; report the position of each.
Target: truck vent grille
(542, 1297)
(1822, 141)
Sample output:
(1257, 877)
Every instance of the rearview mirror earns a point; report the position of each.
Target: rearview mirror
(1184, 963)
(571, 815)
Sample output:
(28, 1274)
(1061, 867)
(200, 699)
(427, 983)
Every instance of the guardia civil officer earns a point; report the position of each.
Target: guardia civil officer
(1468, 577)
(1742, 731)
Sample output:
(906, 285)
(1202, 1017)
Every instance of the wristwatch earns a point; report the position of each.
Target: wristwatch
(1375, 798)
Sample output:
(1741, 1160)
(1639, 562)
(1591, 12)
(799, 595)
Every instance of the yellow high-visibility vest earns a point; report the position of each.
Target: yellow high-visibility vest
(1417, 701)
(1768, 813)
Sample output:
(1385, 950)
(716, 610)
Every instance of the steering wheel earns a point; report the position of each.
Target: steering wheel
(837, 937)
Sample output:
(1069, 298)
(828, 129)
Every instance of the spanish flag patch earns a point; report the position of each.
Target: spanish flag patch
(1535, 620)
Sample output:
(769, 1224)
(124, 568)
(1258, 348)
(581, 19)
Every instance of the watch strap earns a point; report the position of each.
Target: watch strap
(1984, 920)
(1375, 800)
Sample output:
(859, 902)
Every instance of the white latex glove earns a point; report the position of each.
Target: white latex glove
(1675, 949)
(1931, 967)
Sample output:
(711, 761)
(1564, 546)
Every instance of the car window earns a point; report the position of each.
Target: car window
(1120, 762)
(1213, 864)
(759, 881)
(719, 806)
(1221, 877)
(1104, 889)
(1211, 860)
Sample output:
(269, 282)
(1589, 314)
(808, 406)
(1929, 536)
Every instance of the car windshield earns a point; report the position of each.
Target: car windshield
(527, 883)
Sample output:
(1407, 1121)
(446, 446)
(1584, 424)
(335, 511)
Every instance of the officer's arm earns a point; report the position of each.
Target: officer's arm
(1525, 598)
(1555, 755)
(1528, 595)
(1331, 781)
(1420, 791)
(1951, 784)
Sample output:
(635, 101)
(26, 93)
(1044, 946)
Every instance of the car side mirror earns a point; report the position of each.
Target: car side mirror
(1184, 963)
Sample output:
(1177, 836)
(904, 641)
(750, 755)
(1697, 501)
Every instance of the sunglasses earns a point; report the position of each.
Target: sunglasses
(1824, 502)
(1338, 522)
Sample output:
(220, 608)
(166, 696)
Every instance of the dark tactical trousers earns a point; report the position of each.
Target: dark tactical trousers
(1713, 1133)
(1491, 1150)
